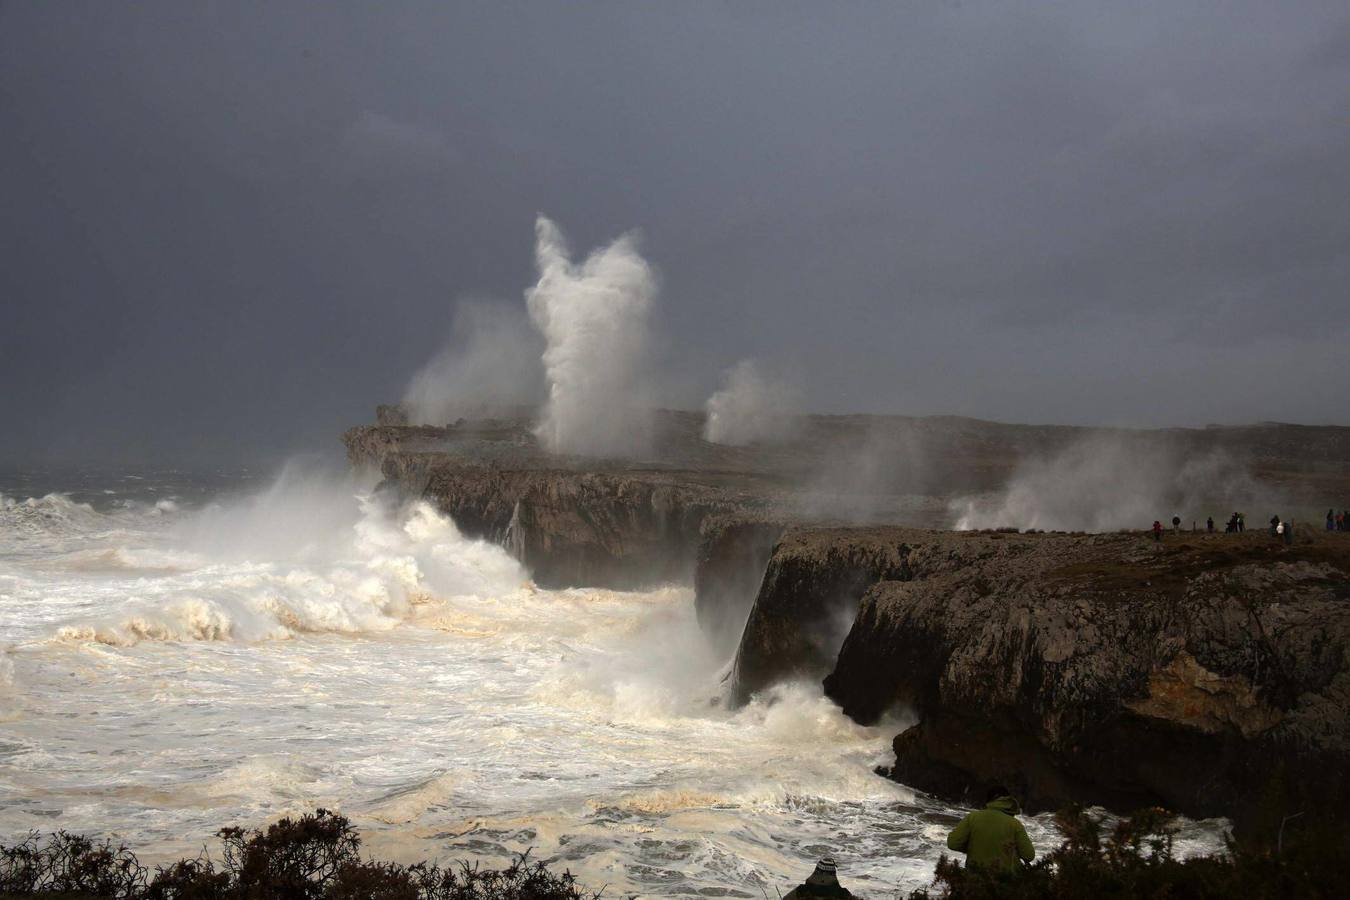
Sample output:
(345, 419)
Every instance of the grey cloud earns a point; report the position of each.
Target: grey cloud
(233, 228)
(375, 145)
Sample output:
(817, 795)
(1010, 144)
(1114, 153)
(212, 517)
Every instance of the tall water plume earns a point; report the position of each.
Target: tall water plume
(594, 320)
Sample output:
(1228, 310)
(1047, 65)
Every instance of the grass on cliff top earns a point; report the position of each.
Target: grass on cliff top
(316, 857)
(1181, 557)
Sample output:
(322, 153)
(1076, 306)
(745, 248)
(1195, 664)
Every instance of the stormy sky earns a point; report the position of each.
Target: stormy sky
(230, 229)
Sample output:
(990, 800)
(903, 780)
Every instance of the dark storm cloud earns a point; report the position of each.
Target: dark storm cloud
(230, 229)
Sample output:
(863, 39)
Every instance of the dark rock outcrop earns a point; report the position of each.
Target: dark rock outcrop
(809, 598)
(1209, 674)
(578, 528)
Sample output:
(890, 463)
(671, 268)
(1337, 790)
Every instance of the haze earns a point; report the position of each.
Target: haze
(230, 230)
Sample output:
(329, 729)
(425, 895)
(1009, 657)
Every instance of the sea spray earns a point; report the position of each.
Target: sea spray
(311, 553)
(1111, 481)
(491, 366)
(750, 406)
(594, 320)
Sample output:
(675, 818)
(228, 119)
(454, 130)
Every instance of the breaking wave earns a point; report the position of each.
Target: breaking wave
(342, 574)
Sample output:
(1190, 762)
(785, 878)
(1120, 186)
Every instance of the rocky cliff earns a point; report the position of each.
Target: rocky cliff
(1208, 674)
(809, 598)
(571, 521)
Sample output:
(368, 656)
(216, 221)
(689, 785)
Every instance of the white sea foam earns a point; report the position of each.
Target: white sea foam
(314, 644)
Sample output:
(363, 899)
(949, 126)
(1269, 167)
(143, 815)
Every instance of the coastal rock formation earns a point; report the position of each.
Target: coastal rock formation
(571, 521)
(1208, 674)
(808, 600)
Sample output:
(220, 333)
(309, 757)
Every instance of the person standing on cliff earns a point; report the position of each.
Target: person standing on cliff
(1157, 531)
(823, 883)
(993, 838)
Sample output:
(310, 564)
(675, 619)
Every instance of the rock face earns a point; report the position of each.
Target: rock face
(572, 522)
(809, 598)
(575, 528)
(1209, 674)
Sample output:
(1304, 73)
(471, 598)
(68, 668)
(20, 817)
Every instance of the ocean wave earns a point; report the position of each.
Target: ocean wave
(46, 515)
(373, 574)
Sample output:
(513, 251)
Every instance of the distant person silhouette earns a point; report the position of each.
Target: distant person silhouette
(823, 882)
(1157, 531)
(1209, 525)
(993, 838)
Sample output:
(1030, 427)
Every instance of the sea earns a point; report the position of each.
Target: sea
(184, 651)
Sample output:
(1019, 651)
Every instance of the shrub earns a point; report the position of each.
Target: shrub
(69, 865)
(315, 857)
(1135, 859)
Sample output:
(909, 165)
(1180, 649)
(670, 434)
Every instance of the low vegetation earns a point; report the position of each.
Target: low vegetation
(317, 857)
(1135, 859)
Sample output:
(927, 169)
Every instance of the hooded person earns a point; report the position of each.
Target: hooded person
(992, 838)
(823, 882)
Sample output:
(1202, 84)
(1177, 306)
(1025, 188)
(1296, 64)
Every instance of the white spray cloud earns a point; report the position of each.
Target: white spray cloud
(877, 473)
(750, 407)
(1112, 482)
(490, 365)
(312, 553)
(594, 319)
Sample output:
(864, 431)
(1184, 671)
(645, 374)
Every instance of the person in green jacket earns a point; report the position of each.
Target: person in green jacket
(993, 838)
